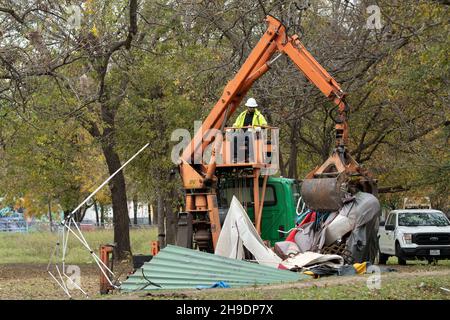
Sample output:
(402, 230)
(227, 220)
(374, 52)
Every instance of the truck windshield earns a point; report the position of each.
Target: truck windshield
(414, 219)
(245, 195)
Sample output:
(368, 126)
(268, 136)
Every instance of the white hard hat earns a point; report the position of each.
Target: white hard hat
(251, 102)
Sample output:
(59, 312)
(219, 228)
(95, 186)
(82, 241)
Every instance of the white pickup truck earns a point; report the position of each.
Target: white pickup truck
(414, 233)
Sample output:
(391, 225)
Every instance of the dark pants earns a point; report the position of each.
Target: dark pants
(236, 147)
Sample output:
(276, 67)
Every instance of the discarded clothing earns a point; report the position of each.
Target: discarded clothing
(361, 268)
(311, 236)
(315, 220)
(304, 238)
(301, 217)
(346, 270)
(291, 236)
(310, 217)
(300, 221)
(322, 270)
(356, 268)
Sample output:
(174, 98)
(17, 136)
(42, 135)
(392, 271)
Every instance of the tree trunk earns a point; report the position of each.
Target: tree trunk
(66, 213)
(282, 165)
(161, 224)
(155, 216)
(102, 215)
(171, 215)
(135, 208)
(171, 223)
(96, 213)
(83, 212)
(79, 215)
(121, 219)
(50, 219)
(149, 208)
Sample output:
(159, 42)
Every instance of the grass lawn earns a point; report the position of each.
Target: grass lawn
(36, 247)
(23, 259)
(393, 287)
(394, 261)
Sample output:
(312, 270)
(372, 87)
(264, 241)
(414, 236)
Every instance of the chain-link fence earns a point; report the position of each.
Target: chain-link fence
(13, 225)
(20, 225)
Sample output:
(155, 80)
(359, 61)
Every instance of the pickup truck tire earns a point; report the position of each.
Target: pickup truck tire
(382, 258)
(401, 261)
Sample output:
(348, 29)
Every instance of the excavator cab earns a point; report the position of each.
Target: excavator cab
(250, 146)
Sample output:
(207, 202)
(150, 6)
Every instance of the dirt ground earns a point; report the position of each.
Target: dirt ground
(32, 281)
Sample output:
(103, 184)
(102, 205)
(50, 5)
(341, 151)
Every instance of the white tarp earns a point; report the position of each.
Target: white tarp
(238, 231)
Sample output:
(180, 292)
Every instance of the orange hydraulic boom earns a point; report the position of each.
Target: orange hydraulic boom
(199, 180)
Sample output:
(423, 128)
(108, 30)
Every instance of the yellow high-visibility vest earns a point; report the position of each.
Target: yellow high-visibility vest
(257, 121)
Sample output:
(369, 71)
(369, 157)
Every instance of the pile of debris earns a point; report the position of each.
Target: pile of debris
(337, 243)
(351, 233)
(341, 242)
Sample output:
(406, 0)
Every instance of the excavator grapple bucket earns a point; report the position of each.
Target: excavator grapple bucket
(323, 194)
(326, 187)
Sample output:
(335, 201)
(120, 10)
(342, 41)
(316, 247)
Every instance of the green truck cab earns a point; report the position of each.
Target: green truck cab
(280, 202)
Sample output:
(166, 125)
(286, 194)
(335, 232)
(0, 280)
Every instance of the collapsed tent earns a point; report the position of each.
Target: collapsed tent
(365, 211)
(355, 226)
(238, 232)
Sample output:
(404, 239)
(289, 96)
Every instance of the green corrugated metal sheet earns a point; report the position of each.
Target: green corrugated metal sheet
(181, 268)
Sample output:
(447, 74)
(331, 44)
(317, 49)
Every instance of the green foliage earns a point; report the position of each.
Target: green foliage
(165, 94)
(50, 157)
(175, 70)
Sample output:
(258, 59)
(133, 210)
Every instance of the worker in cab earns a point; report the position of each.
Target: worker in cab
(251, 116)
(248, 118)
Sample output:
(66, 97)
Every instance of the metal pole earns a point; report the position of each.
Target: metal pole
(106, 181)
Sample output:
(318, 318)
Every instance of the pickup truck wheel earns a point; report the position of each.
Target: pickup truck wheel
(383, 258)
(401, 261)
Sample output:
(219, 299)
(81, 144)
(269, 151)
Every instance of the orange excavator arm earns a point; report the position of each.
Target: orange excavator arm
(318, 76)
(258, 63)
(321, 189)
